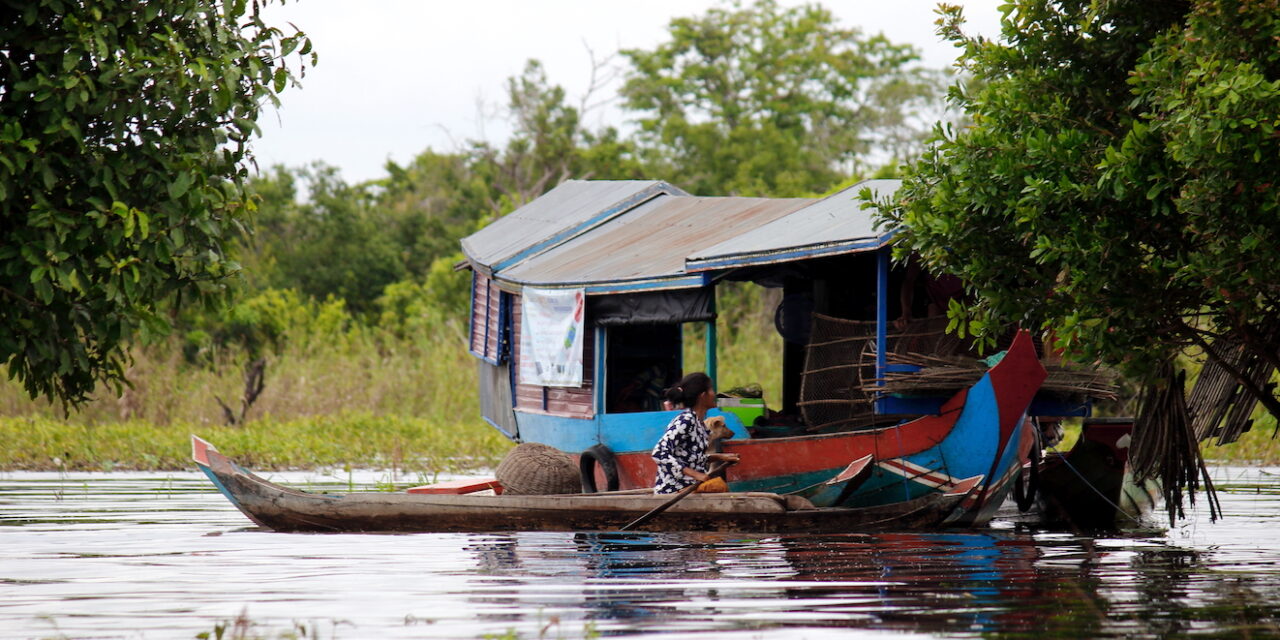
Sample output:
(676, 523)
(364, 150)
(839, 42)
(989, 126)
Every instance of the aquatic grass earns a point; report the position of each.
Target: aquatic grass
(552, 623)
(364, 397)
(426, 373)
(243, 628)
(1259, 445)
(359, 440)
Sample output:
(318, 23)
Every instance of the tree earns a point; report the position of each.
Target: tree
(549, 143)
(763, 100)
(334, 242)
(123, 143)
(322, 236)
(1118, 188)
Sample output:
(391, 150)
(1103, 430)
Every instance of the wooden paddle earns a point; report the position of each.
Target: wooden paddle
(681, 495)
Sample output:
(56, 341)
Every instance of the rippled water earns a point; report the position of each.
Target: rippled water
(164, 556)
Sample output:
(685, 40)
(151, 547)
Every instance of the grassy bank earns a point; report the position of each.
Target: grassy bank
(359, 440)
(1256, 446)
(341, 395)
(356, 440)
(352, 369)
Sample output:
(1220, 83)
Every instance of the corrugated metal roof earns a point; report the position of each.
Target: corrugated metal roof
(647, 246)
(571, 208)
(834, 225)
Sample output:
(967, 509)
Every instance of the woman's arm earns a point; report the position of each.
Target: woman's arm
(695, 474)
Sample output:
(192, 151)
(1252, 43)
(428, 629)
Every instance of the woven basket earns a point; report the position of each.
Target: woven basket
(533, 469)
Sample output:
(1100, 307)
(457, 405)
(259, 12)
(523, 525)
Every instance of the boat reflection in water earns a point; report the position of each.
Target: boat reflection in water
(991, 583)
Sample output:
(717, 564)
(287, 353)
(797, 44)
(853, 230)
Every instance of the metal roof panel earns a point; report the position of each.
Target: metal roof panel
(649, 242)
(832, 225)
(561, 213)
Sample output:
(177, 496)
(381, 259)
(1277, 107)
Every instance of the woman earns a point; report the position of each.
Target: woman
(681, 454)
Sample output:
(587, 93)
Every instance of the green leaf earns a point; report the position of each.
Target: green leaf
(44, 291)
(73, 279)
(180, 184)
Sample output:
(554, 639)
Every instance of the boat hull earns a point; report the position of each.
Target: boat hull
(288, 510)
(981, 431)
(1091, 487)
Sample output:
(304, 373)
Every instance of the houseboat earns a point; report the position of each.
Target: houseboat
(583, 299)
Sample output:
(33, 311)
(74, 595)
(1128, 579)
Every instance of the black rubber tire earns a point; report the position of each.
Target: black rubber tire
(1024, 491)
(587, 462)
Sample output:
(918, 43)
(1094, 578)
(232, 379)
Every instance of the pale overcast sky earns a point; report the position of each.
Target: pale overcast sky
(398, 76)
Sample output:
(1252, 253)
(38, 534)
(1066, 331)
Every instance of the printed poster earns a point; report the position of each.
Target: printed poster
(551, 331)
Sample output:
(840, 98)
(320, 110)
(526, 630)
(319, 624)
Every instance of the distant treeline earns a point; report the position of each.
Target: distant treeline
(347, 289)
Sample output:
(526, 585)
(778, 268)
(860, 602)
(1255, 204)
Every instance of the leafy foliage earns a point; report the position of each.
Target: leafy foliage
(1117, 188)
(1204, 149)
(336, 242)
(122, 149)
(133, 121)
(1012, 204)
(549, 144)
(318, 234)
(769, 101)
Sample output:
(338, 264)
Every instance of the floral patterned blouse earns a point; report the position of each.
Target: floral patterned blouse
(683, 445)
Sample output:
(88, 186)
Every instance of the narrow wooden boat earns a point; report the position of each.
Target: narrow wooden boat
(1091, 487)
(283, 509)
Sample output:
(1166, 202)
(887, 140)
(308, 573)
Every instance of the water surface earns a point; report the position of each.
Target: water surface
(143, 555)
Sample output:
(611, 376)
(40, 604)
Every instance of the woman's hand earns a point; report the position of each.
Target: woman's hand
(696, 475)
(731, 458)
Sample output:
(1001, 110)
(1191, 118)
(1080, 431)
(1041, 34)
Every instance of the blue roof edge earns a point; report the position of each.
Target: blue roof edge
(679, 281)
(853, 245)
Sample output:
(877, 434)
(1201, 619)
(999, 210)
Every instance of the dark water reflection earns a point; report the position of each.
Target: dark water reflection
(161, 556)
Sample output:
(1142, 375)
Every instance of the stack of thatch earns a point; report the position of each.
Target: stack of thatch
(949, 374)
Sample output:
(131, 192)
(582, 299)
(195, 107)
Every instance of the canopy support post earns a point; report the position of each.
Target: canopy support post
(882, 316)
(598, 378)
(711, 339)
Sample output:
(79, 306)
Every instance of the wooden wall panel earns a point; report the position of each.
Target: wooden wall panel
(493, 334)
(486, 317)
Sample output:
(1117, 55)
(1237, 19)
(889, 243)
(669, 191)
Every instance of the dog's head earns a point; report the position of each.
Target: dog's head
(719, 431)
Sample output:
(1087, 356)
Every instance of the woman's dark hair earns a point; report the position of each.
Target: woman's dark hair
(685, 393)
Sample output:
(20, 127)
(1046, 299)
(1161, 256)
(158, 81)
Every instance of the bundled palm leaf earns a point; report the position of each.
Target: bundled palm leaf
(948, 374)
(1165, 445)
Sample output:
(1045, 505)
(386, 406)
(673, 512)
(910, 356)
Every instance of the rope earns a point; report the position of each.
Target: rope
(1095, 489)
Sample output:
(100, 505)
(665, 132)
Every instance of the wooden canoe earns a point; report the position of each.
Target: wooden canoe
(1091, 487)
(284, 509)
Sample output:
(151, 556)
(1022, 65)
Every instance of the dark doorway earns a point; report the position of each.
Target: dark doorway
(641, 362)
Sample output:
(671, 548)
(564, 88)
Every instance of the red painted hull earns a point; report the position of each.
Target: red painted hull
(991, 412)
(772, 457)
